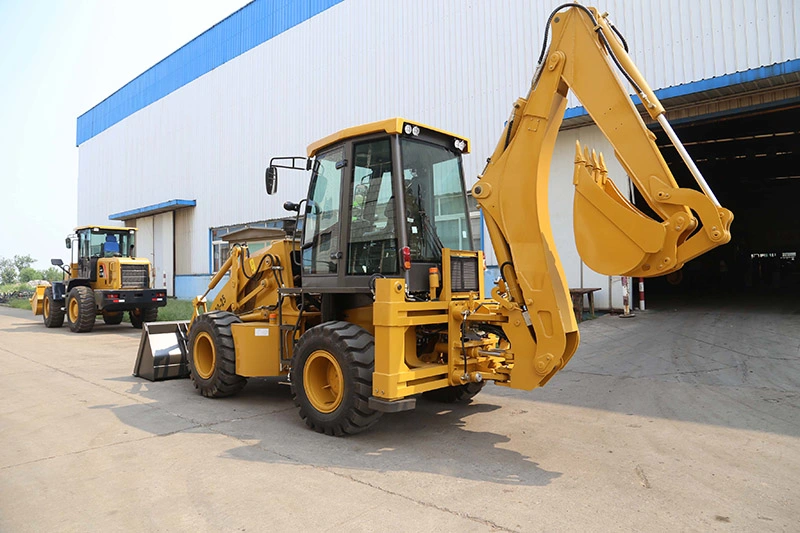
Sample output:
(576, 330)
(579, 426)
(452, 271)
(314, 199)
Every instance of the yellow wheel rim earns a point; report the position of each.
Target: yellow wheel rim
(323, 381)
(205, 355)
(46, 309)
(74, 310)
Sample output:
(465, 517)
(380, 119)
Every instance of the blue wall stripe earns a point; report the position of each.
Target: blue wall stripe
(710, 84)
(249, 27)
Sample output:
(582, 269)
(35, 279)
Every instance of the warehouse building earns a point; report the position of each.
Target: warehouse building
(180, 151)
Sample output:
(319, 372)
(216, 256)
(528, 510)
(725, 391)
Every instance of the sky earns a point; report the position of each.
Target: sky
(58, 59)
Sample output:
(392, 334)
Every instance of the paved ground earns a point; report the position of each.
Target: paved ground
(667, 421)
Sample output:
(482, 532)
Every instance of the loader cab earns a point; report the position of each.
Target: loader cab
(90, 243)
(384, 200)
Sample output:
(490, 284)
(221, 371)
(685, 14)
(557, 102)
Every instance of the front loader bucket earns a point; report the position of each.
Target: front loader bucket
(162, 351)
(37, 300)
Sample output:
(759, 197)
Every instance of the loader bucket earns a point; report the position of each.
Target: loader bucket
(162, 351)
(37, 300)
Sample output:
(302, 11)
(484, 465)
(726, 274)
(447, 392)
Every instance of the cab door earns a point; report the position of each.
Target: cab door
(322, 253)
(86, 266)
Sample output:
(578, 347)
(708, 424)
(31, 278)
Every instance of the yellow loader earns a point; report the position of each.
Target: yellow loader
(382, 299)
(103, 278)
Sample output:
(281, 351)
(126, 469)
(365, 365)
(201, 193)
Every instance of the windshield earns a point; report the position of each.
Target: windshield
(107, 243)
(436, 207)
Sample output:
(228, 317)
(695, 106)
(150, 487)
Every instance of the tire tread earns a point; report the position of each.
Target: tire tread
(356, 345)
(224, 381)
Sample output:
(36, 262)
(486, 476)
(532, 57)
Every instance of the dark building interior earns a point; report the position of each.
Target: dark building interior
(751, 160)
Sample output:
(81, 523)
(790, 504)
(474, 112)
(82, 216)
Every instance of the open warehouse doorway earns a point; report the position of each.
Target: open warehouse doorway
(751, 159)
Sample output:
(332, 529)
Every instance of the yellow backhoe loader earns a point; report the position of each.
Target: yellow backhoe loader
(382, 297)
(103, 278)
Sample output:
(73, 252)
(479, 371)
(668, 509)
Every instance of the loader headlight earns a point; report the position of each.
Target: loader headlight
(460, 144)
(410, 129)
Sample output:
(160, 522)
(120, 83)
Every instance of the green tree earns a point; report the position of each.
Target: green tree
(8, 274)
(27, 274)
(53, 274)
(22, 261)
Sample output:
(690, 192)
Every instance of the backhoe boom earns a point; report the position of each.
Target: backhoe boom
(613, 237)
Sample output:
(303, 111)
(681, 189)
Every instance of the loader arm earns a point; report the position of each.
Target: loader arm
(612, 236)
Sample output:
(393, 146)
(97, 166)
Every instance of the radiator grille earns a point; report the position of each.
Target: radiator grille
(464, 274)
(135, 276)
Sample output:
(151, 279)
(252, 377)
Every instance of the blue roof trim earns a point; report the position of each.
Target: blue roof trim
(254, 24)
(760, 73)
(163, 207)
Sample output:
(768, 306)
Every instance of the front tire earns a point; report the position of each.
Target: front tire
(113, 318)
(331, 378)
(52, 312)
(139, 316)
(212, 357)
(81, 310)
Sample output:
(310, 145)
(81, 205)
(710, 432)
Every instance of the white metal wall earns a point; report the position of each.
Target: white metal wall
(454, 64)
(155, 243)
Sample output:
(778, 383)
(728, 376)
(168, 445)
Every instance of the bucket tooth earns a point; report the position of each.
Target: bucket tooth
(598, 178)
(603, 167)
(578, 153)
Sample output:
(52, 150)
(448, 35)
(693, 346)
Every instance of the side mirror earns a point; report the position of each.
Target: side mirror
(271, 180)
(56, 262)
(69, 242)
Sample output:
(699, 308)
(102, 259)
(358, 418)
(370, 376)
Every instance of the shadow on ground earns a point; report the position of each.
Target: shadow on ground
(434, 438)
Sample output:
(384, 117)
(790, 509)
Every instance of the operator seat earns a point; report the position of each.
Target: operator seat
(111, 246)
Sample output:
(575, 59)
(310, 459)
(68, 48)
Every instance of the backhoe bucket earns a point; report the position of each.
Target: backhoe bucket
(162, 351)
(612, 236)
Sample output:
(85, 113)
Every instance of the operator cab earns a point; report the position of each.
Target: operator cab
(384, 200)
(94, 242)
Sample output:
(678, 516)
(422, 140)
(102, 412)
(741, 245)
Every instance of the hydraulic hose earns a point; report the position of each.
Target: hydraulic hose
(603, 38)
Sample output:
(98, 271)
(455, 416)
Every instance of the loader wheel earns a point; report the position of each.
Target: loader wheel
(212, 358)
(113, 318)
(81, 310)
(331, 378)
(459, 393)
(139, 316)
(52, 312)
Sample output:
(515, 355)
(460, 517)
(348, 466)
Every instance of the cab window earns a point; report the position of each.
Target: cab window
(373, 241)
(321, 236)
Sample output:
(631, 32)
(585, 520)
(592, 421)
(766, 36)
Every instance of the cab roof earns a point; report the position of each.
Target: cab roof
(390, 126)
(105, 228)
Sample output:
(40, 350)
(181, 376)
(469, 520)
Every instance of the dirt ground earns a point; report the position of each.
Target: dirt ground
(669, 421)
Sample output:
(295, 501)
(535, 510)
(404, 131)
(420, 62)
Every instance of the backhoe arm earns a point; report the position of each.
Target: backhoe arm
(612, 236)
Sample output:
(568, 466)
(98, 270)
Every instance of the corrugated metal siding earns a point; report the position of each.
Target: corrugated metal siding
(249, 27)
(458, 65)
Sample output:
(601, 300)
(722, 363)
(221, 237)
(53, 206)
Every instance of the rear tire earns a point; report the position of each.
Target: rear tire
(331, 378)
(113, 318)
(81, 310)
(212, 357)
(459, 393)
(139, 316)
(52, 311)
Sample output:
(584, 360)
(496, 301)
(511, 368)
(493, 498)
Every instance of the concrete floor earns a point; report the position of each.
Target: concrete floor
(667, 421)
